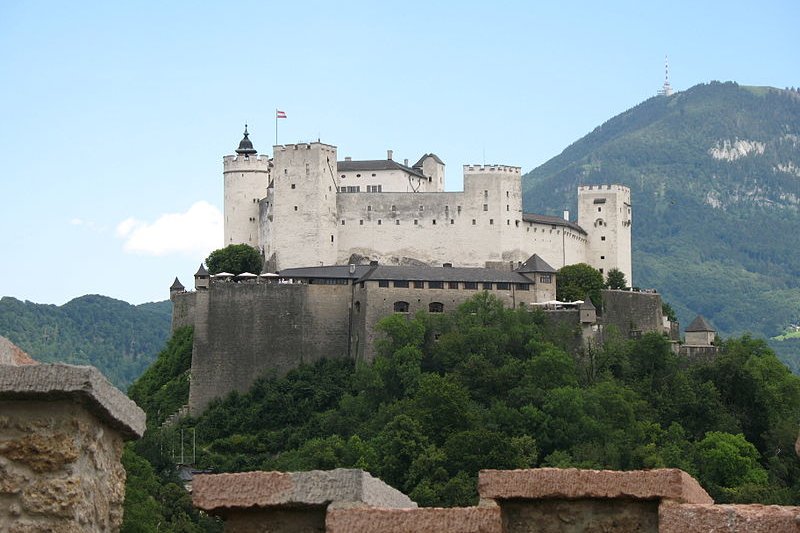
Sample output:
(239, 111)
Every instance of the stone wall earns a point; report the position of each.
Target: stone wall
(182, 309)
(548, 500)
(243, 330)
(61, 434)
(632, 312)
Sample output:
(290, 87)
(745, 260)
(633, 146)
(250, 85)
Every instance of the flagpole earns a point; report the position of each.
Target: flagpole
(276, 126)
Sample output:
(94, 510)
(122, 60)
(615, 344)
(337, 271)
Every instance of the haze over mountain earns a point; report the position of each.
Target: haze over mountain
(118, 338)
(714, 173)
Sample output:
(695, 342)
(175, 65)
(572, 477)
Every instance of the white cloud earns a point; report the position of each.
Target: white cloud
(197, 231)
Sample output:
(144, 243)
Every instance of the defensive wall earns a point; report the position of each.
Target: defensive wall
(245, 330)
(548, 500)
(633, 313)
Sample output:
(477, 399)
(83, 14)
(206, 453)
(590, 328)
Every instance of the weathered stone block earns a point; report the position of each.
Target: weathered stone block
(694, 518)
(579, 516)
(425, 520)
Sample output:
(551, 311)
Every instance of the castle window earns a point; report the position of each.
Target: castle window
(523, 286)
(379, 222)
(503, 286)
(360, 222)
(508, 222)
(458, 209)
(545, 278)
(373, 174)
(602, 257)
(516, 223)
(357, 306)
(397, 222)
(452, 284)
(491, 222)
(486, 286)
(486, 194)
(285, 171)
(599, 209)
(603, 238)
(419, 284)
(506, 194)
(369, 208)
(507, 209)
(400, 284)
(601, 270)
(383, 283)
(485, 207)
(436, 285)
(436, 307)
(446, 208)
(401, 307)
(331, 238)
(471, 285)
(358, 175)
(416, 221)
(342, 222)
(434, 221)
(422, 208)
(344, 176)
(394, 208)
(293, 186)
(473, 220)
(452, 221)
(295, 208)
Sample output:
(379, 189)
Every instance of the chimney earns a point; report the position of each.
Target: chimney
(389, 155)
(405, 162)
(348, 158)
(352, 269)
(566, 215)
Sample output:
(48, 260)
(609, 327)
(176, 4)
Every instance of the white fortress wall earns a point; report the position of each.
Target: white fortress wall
(558, 245)
(304, 224)
(391, 180)
(604, 211)
(245, 183)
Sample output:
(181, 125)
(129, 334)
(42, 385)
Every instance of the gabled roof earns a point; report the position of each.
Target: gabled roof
(176, 285)
(552, 221)
(326, 272)
(435, 157)
(378, 164)
(534, 264)
(430, 273)
(201, 271)
(700, 324)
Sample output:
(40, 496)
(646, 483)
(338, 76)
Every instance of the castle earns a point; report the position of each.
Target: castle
(303, 207)
(346, 243)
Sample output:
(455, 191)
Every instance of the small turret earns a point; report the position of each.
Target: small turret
(201, 278)
(588, 312)
(700, 333)
(246, 145)
(176, 286)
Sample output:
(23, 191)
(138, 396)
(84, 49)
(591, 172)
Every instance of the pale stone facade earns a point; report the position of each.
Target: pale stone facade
(305, 208)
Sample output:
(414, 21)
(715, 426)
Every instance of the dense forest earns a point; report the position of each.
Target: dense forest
(714, 173)
(483, 387)
(120, 339)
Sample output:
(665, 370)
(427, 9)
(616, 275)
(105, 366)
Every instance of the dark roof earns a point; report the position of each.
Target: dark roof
(201, 271)
(329, 272)
(535, 264)
(700, 324)
(587, 305)
(246, 145)
(553, 221)
(176, 285)
(380, 164)
(418, 164)
(430, 273)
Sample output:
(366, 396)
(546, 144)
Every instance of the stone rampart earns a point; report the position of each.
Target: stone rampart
(243, 330)
(632, 313)
(512, 501)
(182, 309)
(62, 429)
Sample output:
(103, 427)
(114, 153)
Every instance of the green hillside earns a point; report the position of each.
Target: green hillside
(118, 338)
(714, 173)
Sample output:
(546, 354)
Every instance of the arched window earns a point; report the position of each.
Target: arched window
(599, 222)
(357, 306)
(401, 307)
(436, 307)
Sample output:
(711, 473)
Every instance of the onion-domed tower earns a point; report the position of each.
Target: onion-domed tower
(246, 177)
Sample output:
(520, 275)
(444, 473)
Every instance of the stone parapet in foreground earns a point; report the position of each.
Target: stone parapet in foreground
(62, 429)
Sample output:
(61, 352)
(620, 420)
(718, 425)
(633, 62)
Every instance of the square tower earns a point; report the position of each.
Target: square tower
(604, 212)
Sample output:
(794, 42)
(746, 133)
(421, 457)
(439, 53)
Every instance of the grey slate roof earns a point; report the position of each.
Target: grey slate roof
(435, 157)
(551, 220)
(535, 264)
(176, 285)
(587, 305)
(325, 272)
(201, 271)
(379, 164)
(429, 273)
(699, 324)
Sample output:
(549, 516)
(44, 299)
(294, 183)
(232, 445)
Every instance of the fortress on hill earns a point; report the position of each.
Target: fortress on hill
(346, 243)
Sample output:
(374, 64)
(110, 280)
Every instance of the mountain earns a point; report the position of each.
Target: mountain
(118, 338)
(714, 173)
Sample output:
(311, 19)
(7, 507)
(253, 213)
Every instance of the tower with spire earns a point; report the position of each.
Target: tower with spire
(666, 89)
(246, 177)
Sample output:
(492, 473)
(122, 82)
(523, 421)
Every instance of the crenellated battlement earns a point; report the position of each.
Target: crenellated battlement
(601, 188)
(488, 169)
(236, 163)
(304, 146)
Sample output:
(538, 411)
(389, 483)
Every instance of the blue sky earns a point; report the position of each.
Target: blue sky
(114, 116)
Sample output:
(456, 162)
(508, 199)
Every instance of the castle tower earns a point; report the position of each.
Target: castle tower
(303, 227)
(246, 177)
(604, 212)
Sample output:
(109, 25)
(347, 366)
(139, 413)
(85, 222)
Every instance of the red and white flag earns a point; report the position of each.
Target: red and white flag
(280, 114)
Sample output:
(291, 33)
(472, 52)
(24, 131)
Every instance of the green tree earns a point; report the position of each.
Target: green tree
(615, 279)
(235, 258)
(579, 281)
(728, 463)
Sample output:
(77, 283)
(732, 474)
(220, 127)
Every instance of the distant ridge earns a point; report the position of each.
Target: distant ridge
(714, 173)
